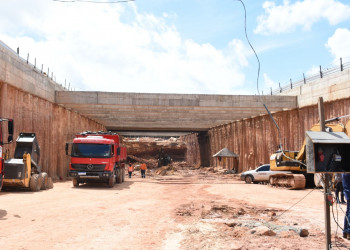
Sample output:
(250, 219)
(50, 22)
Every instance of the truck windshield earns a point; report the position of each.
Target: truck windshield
(91, 150)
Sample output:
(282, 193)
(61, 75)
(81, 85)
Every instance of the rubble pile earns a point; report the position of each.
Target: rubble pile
(151, 163)
(166, 170)
(235, 227)
(148, 150)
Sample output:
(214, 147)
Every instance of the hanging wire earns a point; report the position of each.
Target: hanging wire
(257, 86)
(251, 46)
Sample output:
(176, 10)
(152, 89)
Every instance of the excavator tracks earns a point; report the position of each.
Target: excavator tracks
(292, 181)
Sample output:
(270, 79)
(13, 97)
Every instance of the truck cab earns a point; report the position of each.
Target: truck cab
(97, 157)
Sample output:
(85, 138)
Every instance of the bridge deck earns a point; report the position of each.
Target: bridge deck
(168, 112)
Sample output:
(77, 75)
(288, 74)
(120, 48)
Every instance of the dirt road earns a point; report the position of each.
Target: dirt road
(190, 211)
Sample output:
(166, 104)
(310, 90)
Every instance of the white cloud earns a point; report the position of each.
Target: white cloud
(268, 82)
(91, 47)
(339, 44)
(314, 70)
(287, 17)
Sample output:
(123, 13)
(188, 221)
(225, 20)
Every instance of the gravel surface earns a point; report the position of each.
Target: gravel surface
(190, 209)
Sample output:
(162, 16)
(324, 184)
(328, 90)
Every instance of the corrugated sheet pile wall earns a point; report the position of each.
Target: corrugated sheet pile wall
(255, 139)
(53, 125)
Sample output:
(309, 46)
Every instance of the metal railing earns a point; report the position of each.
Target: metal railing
(305, 80)
(34, 67)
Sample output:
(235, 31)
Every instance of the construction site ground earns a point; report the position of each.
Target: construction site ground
(183, 209)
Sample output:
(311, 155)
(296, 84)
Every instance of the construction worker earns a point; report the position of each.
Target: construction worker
(143, 168)
(130, 169)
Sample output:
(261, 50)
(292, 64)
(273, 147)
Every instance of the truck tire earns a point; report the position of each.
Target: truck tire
(40, 181)
(35, 183)
(111, 181)
(119, 176)
(50, 183)
(45, 181)
(123, 175)
(75, 182)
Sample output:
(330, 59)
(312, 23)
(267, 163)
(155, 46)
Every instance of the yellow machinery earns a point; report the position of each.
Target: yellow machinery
(23, 170)
(295, 161)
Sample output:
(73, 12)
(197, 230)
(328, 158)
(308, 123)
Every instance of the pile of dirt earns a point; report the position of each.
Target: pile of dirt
(151, 148)
(166, 170)
(137, 161)
(181, 165)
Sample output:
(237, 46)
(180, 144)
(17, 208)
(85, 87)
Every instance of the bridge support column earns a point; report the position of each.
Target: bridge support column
(204, 148)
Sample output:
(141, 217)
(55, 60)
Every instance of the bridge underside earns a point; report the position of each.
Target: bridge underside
(168, 112)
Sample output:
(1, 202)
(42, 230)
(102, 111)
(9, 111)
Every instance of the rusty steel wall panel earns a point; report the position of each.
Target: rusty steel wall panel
(192, 153)
(255, 139)
(53, 125)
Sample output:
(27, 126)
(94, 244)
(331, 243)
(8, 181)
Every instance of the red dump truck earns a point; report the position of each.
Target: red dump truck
(97, 157)
(4, 155)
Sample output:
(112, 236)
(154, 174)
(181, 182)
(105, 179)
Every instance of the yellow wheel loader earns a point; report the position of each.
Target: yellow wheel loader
(23, 170)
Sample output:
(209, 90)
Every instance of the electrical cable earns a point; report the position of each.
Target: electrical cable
(256, 55)
(336, 221)
(336, 243)
(257, 85)
(295, 203)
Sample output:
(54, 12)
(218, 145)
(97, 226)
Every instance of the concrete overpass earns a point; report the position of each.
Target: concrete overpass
(168, 112)
(136, 111)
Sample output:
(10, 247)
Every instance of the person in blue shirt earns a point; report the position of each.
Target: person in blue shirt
(346, 190)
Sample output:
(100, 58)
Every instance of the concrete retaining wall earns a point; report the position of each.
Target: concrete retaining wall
(16, 72)
(53, 124)
(255, 139)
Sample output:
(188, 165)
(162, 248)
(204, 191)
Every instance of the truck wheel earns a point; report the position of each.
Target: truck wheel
(50, 183)
(119, 176)
(75, 182)
(111, 181)
(45, 181)
(35, 183)
(123, 175)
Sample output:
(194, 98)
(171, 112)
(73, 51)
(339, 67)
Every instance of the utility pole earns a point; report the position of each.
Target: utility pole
(326, 182)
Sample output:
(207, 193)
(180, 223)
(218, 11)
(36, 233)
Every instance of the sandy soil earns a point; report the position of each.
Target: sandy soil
(189, 210)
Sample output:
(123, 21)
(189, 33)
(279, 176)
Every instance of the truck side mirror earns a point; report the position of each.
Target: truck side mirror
(118, 151)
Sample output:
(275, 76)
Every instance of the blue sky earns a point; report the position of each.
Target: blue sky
(178, 46)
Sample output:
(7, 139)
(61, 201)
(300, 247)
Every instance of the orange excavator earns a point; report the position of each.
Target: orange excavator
(295, 161)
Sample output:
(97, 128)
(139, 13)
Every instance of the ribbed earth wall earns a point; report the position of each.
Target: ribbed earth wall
(255, 139)
(53, 125)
